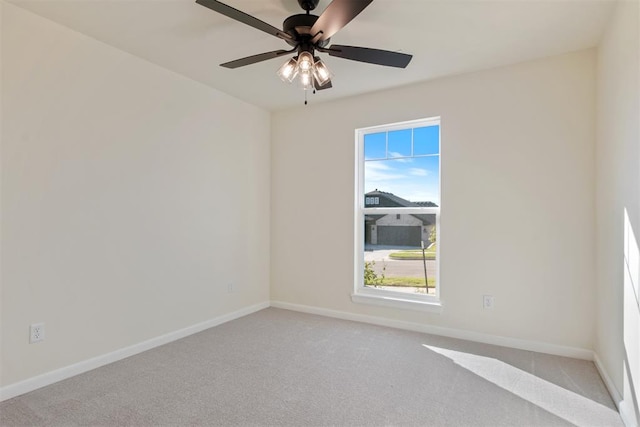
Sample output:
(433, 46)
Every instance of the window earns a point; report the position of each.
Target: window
(368, 201)
(397, 214)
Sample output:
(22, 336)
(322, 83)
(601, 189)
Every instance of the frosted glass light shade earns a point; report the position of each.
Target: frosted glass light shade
(288, 71)
(321, 72)
(306, 80)
(305, 61)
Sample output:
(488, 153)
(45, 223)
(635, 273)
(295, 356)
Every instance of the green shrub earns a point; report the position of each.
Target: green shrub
(371, 278)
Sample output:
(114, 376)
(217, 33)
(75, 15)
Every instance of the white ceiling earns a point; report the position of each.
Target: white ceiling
(444, 36)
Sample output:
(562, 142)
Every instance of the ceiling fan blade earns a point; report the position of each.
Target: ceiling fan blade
(327, 85)
(255, 58)
(338, 14)
(372, 56)
(240, 16)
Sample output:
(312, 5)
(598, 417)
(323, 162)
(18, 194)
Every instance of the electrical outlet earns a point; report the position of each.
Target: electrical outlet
(487, 301)
(230, 287)
(36, 333)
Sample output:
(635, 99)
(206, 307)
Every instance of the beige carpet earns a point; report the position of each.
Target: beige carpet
(278, 367)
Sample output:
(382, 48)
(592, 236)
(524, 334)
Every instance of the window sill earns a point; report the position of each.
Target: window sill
(395, 302)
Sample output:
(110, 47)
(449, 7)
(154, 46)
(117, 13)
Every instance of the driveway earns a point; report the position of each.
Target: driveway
(395, 268)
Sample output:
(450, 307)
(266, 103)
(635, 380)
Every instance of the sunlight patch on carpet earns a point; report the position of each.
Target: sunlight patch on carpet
(559, 401)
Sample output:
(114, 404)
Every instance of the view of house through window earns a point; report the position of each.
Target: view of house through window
(399, 208)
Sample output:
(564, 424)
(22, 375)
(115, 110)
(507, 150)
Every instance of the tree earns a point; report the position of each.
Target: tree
(432, 234)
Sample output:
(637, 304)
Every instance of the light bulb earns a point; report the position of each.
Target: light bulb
(306, 80)
(288, 71)
(305, 61)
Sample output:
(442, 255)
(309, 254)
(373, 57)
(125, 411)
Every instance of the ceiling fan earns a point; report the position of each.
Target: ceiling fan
(307, 34)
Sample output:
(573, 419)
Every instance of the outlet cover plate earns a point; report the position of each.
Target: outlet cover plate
(36, 333)
(487, 301)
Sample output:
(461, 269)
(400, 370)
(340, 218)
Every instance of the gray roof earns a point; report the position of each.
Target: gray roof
(391, 200)
(396, 200)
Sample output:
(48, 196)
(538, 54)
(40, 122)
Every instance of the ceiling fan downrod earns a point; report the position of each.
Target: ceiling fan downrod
(308, 5)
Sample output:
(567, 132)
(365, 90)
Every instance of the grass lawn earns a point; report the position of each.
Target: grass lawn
(414, 254)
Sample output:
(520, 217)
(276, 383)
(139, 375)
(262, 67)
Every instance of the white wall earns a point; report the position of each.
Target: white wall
(131, 198)
(618, 195)
(518, 217)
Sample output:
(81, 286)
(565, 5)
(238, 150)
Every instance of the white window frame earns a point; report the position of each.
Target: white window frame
(383, 297)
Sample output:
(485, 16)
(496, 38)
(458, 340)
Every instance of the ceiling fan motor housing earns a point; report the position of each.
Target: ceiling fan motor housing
(298, 26)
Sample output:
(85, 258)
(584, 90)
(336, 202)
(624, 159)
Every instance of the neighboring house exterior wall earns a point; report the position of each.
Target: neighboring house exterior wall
(393, 220)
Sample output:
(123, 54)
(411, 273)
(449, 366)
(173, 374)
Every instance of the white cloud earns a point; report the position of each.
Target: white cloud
(418, 172)
(379, 172)
(412, 183)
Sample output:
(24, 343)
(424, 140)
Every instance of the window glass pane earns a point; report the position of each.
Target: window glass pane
(426, 140)
(428, 170)
(399, 143)
(394, 259)
(408, 181)
(375, 146)
(401, 169)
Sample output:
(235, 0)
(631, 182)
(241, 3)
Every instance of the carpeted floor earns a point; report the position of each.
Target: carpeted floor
(278, 367)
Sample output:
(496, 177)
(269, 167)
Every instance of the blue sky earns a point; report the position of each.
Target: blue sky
(404, 162)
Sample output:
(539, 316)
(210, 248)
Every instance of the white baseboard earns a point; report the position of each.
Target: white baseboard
(628, 418)
(613, 391)
(540, 347)
(48, 378)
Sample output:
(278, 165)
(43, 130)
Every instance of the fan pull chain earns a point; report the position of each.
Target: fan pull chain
(305, 97)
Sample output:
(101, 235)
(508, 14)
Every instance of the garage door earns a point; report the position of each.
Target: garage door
(399, 235)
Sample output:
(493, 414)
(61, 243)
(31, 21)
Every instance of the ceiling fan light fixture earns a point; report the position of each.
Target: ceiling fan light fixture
(306, 80)
(289, 70)
(321, 72)
(305, 61)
